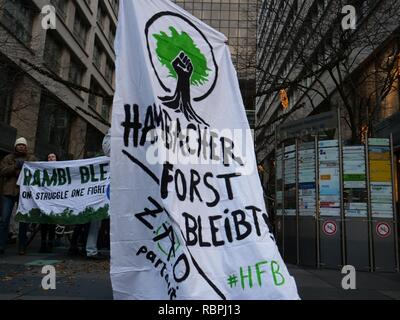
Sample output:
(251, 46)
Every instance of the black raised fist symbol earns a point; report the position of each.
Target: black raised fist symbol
(183, 66)
(180, 101)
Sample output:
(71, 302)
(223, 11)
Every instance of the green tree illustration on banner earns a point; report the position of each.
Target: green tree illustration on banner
(186, 63)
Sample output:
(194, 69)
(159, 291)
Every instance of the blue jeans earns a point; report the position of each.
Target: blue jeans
(8, 203)
(91, 243)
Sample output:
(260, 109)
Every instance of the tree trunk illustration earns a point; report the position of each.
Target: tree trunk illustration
(180, 101)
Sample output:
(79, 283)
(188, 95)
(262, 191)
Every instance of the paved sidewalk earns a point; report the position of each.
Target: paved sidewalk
(79, 278)
(324, 284)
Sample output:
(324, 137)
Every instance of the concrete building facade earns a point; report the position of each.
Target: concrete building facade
(44, 73)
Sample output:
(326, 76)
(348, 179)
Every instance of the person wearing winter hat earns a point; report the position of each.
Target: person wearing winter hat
(10, 167)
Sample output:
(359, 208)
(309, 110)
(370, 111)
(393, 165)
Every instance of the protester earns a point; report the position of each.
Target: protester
(93, 235)
(89, 231)
(91, 243)
(48, 231)
(78, 236)
(10, 169)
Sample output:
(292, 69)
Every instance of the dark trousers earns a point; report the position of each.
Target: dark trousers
(80, 232)
(8, 203)
(47, 232)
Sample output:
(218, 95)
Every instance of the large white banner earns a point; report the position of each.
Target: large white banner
(188, 219)
(64, 192)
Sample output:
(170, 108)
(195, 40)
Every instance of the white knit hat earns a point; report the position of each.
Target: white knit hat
(20, 141)
(107, 143)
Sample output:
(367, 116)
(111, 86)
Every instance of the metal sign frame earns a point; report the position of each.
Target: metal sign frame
(342, 217)
(369, 210)
(317, 207)
(341, 188)
(396, 244)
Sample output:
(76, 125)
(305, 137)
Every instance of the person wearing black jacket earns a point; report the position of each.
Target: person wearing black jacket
(10, 169)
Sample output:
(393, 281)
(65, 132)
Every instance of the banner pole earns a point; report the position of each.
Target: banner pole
(297, 201)
(369, 210)
(317, 204)
(342, 215)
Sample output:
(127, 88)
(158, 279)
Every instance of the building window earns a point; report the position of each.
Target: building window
(94, 139)
(17, 17)
(61, 8)
(92, 100)
(105, 110)
(53, 127)
(97, 53)
(94, 88)
(80, 29)
(88, 3)
(115, 6)
(76, 72)
(7, 82)
(5, 106)
(111, 35)
(109, 72)
(101, 15)
(52, 53)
